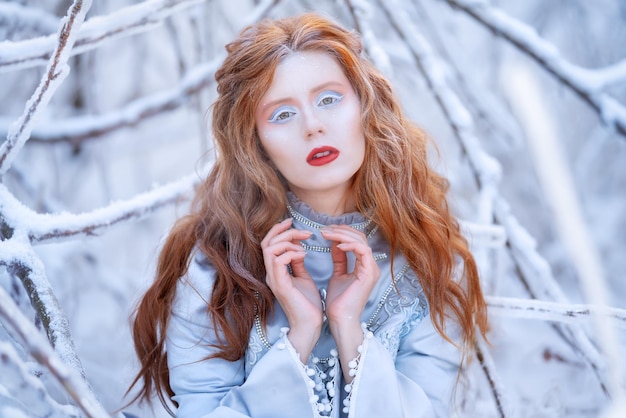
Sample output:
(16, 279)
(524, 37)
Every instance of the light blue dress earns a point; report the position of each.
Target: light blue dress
(405, 368)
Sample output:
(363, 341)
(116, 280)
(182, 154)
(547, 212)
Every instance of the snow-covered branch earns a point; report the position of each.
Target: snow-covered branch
(485, 168)
(56, 72)
(22, 262)
(45, 227)
(95, 32)
(489, 369)
(78, 129)
(34, 343)
(553, 311)
(589, 85)
(361, 12)
(536, 276)
(487, 173)
(26, 390)
(561, 193)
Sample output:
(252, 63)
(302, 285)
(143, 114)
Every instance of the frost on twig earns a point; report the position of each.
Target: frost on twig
(38, 348)
(553, 311)
(489, 369)
(55, 73)
(361, 12)
(82, 128)
(45, 227)
(97, 31)
(590, 85)
(536, 276)
(26, 392)
(487, 171)
(21, 262)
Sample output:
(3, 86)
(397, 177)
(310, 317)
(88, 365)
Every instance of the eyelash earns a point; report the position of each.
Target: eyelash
(277, 116)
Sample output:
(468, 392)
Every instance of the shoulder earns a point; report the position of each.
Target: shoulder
(193, 290)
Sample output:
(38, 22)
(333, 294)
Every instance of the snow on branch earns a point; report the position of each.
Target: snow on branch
(78, 129)
(486, 169)
(26, 390)
(489, 369)
(552, 311)
(96, 31)
(22, 262)
(536, 276)
(361, 12)
(487, 173)
(36, 345)
(560, 191)
(56, 72)
(588, 84)
(45, 227)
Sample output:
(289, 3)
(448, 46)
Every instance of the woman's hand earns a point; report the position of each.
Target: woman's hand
(348, 292)
(297, 293)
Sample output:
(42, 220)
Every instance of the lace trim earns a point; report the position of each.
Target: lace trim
(320, 379)
(355, 371)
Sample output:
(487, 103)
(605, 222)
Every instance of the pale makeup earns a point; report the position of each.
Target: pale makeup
(309, 123)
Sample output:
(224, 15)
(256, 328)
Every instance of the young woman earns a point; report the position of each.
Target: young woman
(320, 272)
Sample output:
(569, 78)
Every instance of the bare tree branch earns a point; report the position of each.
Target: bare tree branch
(96, 31)
(587, 84)
(56, 72)
(39, 348)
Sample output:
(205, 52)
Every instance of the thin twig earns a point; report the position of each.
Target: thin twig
(97, 31)
(552, 311)
(525, 38)
(51, 80)
(80, 129)
(38, 347)
(488, 367)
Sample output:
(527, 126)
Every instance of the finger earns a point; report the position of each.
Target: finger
(293, 235)
(277, 275)
(343, 233)
(280, 247)
(340, 260)
(275, 230)
(297, 267)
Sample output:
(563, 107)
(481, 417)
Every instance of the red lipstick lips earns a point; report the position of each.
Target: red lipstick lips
(322, 155)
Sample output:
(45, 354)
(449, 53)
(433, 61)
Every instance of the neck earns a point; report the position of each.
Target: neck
(333, 203)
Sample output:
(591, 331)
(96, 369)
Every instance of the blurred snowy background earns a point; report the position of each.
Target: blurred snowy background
(525, 99)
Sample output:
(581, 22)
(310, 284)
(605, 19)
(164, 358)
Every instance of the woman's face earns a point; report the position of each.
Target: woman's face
(309, 123)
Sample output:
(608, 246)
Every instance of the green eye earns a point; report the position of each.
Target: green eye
(329, 99)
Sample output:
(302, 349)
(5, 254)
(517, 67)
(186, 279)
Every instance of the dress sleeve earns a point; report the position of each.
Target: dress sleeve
(418, 383)
(277, 387)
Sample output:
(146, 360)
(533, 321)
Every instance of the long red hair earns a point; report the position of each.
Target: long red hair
(243, 197)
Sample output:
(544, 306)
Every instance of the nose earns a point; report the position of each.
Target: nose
(313, 125)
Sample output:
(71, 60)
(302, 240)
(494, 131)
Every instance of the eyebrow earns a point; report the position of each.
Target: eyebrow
(314, 90)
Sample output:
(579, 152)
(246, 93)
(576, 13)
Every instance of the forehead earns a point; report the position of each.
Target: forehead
(301, 71)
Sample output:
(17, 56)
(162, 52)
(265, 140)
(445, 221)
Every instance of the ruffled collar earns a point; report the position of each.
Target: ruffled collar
(306, 215)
